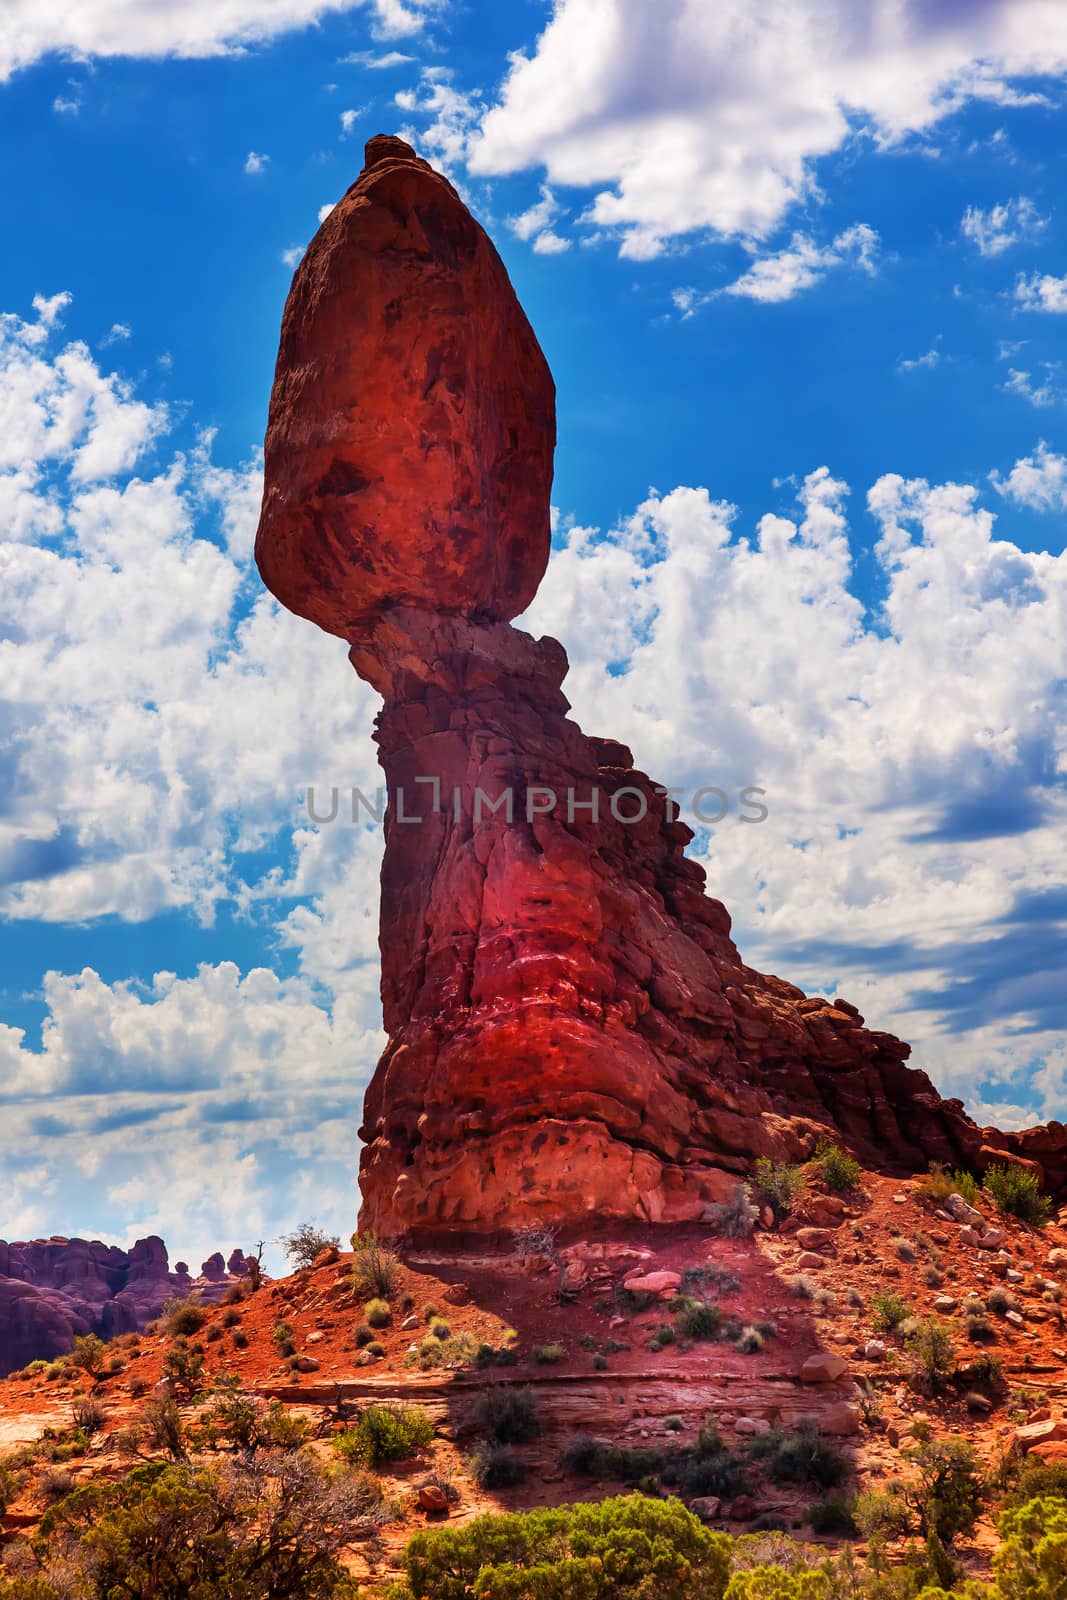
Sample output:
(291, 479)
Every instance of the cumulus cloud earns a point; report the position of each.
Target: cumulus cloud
(535, 224)
(1041, 292)
(685, 117)
(1039, 392)
(256, 162)
(910, 757)
(996, 230)
(1038, 480)
(785, 273)
(188, 28)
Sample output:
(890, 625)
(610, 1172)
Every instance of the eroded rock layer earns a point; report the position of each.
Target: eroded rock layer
(572, 1031)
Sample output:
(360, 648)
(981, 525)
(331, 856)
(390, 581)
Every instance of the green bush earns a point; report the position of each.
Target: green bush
(700, 1319)
(840, 1172)
(168, 1532)
(89, 1353)
(776, 1184)
(547, 1355)
(183, 1364)
(834, 1513)
(1031, 1563)
(494, 1466)
(507, 1416)
(628, 1548)
(1018, 1193)
(946, 1494)
(889, 1311)
(801, 1456)
(931, 1354)
(184, 1316)
(461, 1350)
(385, 1433)
(378, 1313)
(775, 1583)
(376, 1270)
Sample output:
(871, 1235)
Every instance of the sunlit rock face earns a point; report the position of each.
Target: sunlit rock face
(572, 1033)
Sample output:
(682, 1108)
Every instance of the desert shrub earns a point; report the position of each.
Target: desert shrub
(700, 1319)
(165, 1531)
(883, 1514)
(183, 1365)
(629, 1547)
(734, 1218)
(494, 1466)
(305, 1243)
(184, 1316)
(1032, 1558)
(983, 1372)
(507, 1416)
(776, 1184)
(547, 1355)
(906, 1250)
(240, 1339)
(855, 1298)
(750, 1340)
(164, 1428)
(802, 1286)
(933, 1277)
(600, 1363)
(889, 1312)
(440, 1328)
(232, 1294)
(1029, 1478)
(826, 1299)
(246, 1422)
(946, 1495)
(459, 1351)
(801, 1455)
(376, 1349)
(283, 1339)
(89, 1353)
(376, 1270)
(939, 1184)
(930, 1351)
(1018, 1193)
(385, 1433)
(834, 1513)
(213, 1334)
(378, 1313)
(231, 1317)
(840, 1172)
(710, 1275)
(88, 1415)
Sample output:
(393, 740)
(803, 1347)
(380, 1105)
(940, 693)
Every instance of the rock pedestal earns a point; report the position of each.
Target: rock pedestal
(572, 1032)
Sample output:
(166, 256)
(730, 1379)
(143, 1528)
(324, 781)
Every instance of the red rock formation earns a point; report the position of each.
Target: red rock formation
(54, 1289)
(572, 1030)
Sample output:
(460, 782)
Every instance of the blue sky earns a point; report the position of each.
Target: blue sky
(804, 292)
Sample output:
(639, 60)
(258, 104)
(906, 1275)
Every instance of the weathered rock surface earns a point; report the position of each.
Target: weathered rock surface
(572, 1030)
(52, 1290)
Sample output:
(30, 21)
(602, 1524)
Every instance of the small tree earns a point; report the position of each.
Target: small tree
(305, 1243)
(1032, 1561)
(946, 1496)
(932, 1359)
(89, 1353)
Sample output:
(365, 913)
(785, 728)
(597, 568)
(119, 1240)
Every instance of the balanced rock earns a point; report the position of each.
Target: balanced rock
(571, 1029)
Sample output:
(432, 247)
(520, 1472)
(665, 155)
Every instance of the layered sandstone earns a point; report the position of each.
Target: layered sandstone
(572, 1031)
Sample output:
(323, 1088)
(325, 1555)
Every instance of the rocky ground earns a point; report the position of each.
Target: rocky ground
(576, 1329)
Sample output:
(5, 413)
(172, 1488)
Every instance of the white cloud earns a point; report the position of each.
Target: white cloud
(324, 211)
(686, 117)
(931, 358)
(1040, 393)
(996, 230)
(256, 162)
(377, 63)
(349, 119)
(118, 333)
(67, 107)
(186, 28)
(534, 225)
(911, 757)
(454, 116)
(1041, 292)
(803, 264)
(1038, 481)
(292, 257)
